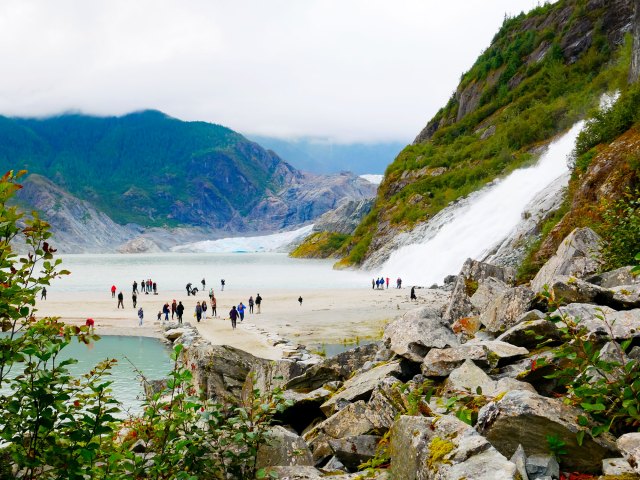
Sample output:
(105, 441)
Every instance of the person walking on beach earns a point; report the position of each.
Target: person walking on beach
(300, 300)
(210, 293)
(155, 288)
(399, 283)
(173, 308)
(214, 312)
(198, 312)
(120, 300)
(188, 287)
(179, 311)
(135, 287)
(258, 301)
(43, 294)
(142, 288)
(165, 310)
(134, 298)
(203, 283)
(140, 316)
(387, 283)
(241, 309)
(204, 310)
(222, 282)
(113, 291)
(413, 293)
(233, 315)
(251, 304)
(373, 284)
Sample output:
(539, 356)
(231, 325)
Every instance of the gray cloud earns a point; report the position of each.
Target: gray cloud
(350, 70)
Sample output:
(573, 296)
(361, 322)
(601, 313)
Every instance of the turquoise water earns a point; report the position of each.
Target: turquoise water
(149, 355)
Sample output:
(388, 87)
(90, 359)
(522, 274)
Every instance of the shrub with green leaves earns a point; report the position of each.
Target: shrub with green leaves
(620, 230)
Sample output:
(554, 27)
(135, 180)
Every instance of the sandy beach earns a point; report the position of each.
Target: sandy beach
(327, 316)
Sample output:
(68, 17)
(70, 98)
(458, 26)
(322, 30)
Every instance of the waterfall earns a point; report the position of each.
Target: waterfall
(471, 229)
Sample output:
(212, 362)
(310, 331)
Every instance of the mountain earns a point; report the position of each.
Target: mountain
(323, 156)
(543, 71)
(147, 170)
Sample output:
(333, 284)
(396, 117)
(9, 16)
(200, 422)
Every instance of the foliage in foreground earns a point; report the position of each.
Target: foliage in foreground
(58, 426)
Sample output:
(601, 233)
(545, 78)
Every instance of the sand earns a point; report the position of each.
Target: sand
(328, 316)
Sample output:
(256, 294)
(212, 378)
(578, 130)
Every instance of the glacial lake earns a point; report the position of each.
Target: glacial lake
(172, 271)
(149, 355)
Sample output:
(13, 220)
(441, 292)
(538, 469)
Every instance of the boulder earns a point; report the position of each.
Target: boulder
(576, 256)
(541, 466)
(419, 330)
(624, 324)
(486, 292)
(361, 386)
(174, 333)
(526, 418)
(617, 467)
(459, 305)
(526, 334)
(468, 377)
(352, 451)
(466, 327)
(481, 271)
(307, 473)
(385, 405)
(573, 290)
(504, 310)
(629, 446)
(519, 458)
(615, 278)
(283, 448)
(268, 375)
(339, 367)
(444, 448)
(488, 354)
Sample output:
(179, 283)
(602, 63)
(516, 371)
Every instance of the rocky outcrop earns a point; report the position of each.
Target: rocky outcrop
(576, 256)
(283, 448)
(526, 418)
(344, 218)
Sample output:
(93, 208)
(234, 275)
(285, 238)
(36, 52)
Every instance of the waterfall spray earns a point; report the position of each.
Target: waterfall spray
(473, 229)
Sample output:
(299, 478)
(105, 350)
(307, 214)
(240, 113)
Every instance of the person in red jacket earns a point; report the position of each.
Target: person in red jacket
(113, 291)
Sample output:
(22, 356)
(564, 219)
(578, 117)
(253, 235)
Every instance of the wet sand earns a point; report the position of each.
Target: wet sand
(328, 316)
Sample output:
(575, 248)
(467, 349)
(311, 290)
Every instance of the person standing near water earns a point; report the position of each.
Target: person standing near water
(233, 315)
(214, 312)
(204, 310)
(120, 300)
(140, 316)
(43, 294)
(387, 283)
(180, 311)
(135, 287)
(300, 300)
(241, 308)
(222, 282)
(203, 284)
(413, 293)
(173, 308)
(113, 291)
(198, 312)
(134, 298)
(251, 304)
(258, 301)
(165, 310)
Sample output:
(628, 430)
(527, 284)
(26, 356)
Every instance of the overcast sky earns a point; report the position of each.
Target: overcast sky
(350, 70)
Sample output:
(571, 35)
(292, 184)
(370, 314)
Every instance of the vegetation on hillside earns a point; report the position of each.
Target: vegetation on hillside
(320, 245)
(145, 168)
(525, 92)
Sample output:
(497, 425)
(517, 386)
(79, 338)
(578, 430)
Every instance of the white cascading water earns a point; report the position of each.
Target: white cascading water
(477, 227)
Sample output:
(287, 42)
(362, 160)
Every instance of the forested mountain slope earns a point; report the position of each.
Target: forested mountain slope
(543, 71)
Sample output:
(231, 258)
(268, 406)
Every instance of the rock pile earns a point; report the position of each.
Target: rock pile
(451, 393)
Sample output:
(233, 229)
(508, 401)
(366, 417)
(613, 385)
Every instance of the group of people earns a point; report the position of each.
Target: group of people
(378, 283)
(146, 286)
(238, 312)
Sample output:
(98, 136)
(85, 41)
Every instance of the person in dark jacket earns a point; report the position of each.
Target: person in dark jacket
(233, 315)
(413, 293)
(258, 301)
(198, 312)
(174, 305)
(165, 310)
(134, 299)
(120, 300)
(180, 311)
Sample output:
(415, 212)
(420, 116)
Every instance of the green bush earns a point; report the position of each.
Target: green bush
(620, 230)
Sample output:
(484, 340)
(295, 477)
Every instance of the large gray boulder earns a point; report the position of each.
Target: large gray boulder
(337, 368)
(268, 375)
(527, 334)
(489, 354)
(468, 377)
(576, 256)
(573, 290)
(486, 292)
(526, 418)
(629, 445)
(353, 451)
(615, 278)
(283, 448)
(418, 331)
(504, 310)
(361, 386)
(444, 448)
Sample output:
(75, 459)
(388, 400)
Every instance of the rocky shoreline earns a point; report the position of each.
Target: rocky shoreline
(452, 391)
